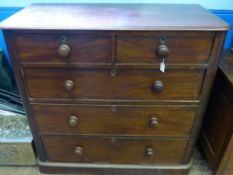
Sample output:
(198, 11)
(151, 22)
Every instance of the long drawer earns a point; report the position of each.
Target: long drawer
(115, 120)
(113, 150)
(137, 84)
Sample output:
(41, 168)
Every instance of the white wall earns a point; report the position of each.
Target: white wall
(209, 4)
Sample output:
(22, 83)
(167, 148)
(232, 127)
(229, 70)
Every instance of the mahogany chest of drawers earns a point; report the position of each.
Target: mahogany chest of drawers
(95, 90)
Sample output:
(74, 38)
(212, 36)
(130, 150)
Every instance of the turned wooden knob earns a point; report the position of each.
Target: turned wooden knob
(73, 121)
(149, 152)
(69, 85)
(63, 50)
(153, 122)
(158, 86)
(163, 51)
(78, 150)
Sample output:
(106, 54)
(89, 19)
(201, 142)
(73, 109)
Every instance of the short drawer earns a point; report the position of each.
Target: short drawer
(151, 120)
(63, 47)
(113, 150)
(184, 47)
(125, 85)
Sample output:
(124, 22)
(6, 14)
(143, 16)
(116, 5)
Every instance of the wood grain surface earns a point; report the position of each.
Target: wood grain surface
(86, 47)
(127, 85)
(113, 149)
(101, 64)
(185, 47)
(115, 17)
(173, 121)
(40, 47)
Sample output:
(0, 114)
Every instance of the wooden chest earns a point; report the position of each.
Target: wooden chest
(216, 133)
(96, 96)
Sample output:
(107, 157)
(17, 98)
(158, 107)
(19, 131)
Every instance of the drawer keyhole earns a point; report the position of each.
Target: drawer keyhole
(113, 73)
(114, 108)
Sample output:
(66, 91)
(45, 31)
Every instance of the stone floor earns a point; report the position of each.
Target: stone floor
(199, 167)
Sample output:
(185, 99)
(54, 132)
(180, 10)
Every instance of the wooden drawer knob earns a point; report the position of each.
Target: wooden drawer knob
(158, 86)
(163, 51)
(69, 85)
(63, 50)
(149, 152)
(73, 121)
(78, 150)
(153, 122)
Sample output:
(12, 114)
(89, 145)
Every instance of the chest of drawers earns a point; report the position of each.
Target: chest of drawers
(91, 84)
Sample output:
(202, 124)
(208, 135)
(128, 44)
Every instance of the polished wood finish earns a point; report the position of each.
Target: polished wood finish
(99, 84)
(92, 87)
(125, 120)
(43, 47)
(136, 17)
(113, 169)
(187, 47)
(216, 135)
(206, 89)
(114, 150)
(94, 47)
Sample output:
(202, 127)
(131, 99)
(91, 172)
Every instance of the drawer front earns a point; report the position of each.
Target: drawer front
(49, 47)
(115, 120)
(126, 85)
(113, 150)
(184, 47)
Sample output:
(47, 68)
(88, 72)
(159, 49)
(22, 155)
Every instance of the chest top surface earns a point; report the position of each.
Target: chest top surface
(146, 17)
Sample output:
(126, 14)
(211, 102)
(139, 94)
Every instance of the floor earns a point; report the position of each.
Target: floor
(199, 167)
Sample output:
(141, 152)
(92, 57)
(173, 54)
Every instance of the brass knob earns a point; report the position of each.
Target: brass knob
(78, 150)
(149, 152)
(153, 122)
(73, 121)
(158, 86)
(63, 50)
(163, 51)
(69, 85)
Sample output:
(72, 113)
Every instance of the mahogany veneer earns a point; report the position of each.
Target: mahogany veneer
(95, 97)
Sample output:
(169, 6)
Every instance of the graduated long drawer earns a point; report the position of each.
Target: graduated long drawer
(131, 84)
(127, 120)
(131, 150)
